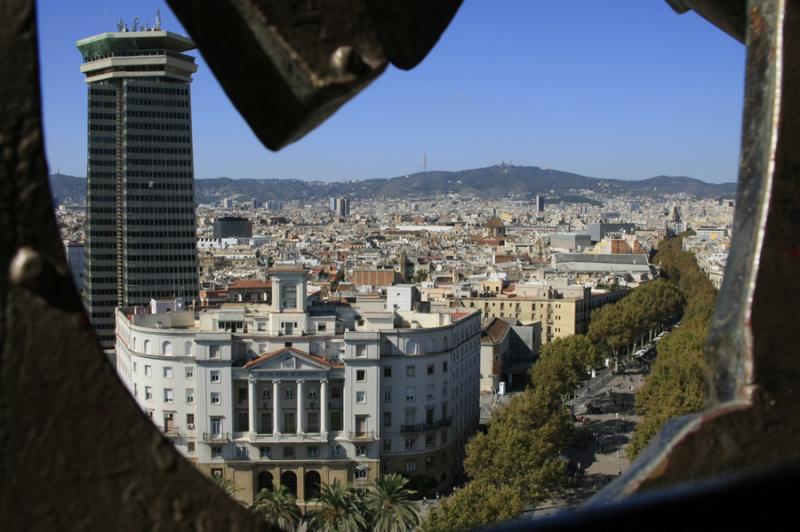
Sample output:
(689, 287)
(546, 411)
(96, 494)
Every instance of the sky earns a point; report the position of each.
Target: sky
(625, 90)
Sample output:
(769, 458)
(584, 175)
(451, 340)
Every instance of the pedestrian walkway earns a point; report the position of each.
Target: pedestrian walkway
(602, 433)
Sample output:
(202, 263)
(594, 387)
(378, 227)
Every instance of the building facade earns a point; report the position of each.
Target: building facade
(286, 394)
(232, 226)
(140, 228)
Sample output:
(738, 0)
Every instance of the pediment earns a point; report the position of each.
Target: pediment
(288, 359)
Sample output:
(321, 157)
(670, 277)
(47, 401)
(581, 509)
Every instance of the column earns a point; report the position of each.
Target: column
(276, 413)
(252, 405)
(300, 414)
(323, 407)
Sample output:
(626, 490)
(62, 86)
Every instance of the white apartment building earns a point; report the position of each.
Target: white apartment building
(295, 395)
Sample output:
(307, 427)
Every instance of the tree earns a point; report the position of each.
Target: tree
(476, 504)
(278, 508)
(420, 275)
(391, 506)
(225, 484)
(339, 509)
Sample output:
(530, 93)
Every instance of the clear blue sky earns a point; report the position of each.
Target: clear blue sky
(627, 89)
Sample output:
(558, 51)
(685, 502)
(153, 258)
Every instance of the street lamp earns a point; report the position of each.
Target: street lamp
(362, 468)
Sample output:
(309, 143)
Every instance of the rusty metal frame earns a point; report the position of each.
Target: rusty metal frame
(78, 453)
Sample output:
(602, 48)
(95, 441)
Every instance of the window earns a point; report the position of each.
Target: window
(411, 371)
(411, 465)
(361, 397)
(214, 375)
(387, 419)
(430, 369)
(263, 452)
(429, 441)
(216, 425)
(337, 451)
(215, 398)
(361, 472)
(444, 436)
(444, 390)
(167, 372)
(428, 462)
(321, 327)
(430, 391)
(241, 452)
(361, 351)
(148, 393)
(361, 375)
(312, 451)
(361, 450)
(134, 367)
(189, 421)
(387, 445)
(288, 393)
(241, 395)
(190, 373)
(287, 344)
(148, 371)
(444, 367)
(410, 443)
(336, 392)
(216, 452)
(387, 372)
(387, 395)
(213, 351)
(288, 452)
(190, 447)
(189, 396)
(188, 348)
(411, 393)
(166, 348)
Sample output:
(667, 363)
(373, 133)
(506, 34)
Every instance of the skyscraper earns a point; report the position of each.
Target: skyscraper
(140, 234)
(539, 203)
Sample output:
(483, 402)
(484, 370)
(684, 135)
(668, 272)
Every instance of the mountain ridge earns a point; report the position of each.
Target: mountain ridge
(489, 182)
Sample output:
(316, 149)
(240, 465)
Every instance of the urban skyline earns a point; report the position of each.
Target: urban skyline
(576, 100)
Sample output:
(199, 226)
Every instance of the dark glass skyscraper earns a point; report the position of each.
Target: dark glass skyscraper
(140, 234)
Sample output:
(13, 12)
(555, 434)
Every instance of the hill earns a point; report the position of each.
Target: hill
(490, 182)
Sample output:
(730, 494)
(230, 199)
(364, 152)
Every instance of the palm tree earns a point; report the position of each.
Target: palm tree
(338, 510)
(225, 484)
(391, 505)
(278, 507)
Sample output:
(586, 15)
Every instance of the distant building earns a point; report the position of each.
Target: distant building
(708, 232)
(570, 241)
(373, 277)
(233, 226)
(507, 352)
(342, 207)
(539, 203)
(600, 264)
(75, 260)
(228, 203)
(597, 231)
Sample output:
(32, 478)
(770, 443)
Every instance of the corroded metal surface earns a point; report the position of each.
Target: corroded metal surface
(288, 65)
(76, 451)
(728, 15)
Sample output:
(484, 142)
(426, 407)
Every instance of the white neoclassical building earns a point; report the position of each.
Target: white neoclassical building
(286, 394)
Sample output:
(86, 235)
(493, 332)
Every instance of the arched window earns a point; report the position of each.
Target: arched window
(431, 345)
(264, 481)
(446, 342)
(166, 348)
(147, 348)
(312, 485)
(289, 479)
(134, 343)
(412, 347)
(188, 349)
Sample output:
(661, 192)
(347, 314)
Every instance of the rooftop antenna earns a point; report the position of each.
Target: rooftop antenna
(120, 25)
(135, 23)
(157, 25)
(424, 161)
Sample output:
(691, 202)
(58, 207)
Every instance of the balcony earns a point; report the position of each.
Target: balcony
(216, 436)
(367, 435)
(285, 436)
(172, 431)
(419, 427)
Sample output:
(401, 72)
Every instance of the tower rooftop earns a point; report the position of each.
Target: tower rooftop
(102, 44)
